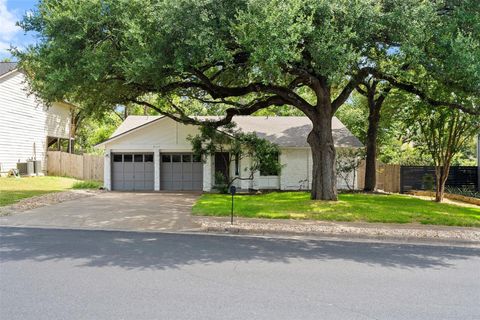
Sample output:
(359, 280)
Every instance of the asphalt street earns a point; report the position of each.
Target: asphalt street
(66, 274)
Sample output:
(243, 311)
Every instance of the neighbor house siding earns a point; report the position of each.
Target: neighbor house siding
(25, 124)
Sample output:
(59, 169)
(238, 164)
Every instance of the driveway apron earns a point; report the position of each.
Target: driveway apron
(114, 210)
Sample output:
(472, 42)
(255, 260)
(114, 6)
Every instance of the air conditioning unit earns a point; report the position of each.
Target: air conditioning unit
(22, 168)
(30, 168)
(37, 167)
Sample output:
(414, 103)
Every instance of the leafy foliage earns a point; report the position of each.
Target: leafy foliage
(237, 57)
(468, 192)
(257, 153)
(88, 184)
(442, 133)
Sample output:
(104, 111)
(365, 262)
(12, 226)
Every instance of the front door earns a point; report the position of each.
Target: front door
(222, 164)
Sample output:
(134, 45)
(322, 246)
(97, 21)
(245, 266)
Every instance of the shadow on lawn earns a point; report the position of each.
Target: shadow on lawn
(163, 251)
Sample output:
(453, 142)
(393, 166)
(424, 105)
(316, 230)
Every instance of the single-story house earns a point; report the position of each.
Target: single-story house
(153, 153)
(27, 127)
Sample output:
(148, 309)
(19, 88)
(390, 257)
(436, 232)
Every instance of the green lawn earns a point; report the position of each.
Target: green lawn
(15, 189)
(350, 207)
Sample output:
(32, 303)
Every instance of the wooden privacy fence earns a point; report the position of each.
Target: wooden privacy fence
(84, 167)
(388, 177)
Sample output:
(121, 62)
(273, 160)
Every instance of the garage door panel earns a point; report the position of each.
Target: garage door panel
(139, 168)
(139, 185)
(176, 168)
(149, 168)
(149, 184)
(178, 172)
(187, 185)
(197, 185)
(129, 185)
(197, 175)
(117, 185)
(167, 185)
(132, 171)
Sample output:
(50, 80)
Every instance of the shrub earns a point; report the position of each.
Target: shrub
(89, 184)
(463, 191)
(221, 183)
(428, 182)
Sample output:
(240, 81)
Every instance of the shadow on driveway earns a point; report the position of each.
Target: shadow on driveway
(130, 250)
(159, 211)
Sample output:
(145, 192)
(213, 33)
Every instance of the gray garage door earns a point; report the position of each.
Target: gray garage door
(180, 171)
(132, 171)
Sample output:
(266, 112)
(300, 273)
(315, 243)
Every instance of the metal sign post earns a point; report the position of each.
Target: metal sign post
(233, 190)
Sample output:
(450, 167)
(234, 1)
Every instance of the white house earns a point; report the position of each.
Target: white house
(153, 153)
(27, 128)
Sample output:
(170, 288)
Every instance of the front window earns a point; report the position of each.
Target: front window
(270, 168)
(237, 165)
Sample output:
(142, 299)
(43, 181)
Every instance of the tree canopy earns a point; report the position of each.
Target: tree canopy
(242, 56)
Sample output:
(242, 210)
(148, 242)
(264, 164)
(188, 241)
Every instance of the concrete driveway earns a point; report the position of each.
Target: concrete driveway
(114, 210)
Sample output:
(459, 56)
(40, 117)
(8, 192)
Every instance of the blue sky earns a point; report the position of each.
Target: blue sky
(10, 12)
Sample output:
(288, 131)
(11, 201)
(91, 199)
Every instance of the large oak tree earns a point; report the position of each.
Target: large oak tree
(244, 55)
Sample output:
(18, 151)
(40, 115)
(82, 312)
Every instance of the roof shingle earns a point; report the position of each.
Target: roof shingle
(6, 67)
(283, 131)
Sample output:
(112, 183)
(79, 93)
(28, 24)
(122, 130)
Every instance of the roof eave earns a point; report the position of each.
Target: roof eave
(9, 73)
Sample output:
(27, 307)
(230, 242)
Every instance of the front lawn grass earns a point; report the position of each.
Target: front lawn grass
(14, 189)
(350, 207)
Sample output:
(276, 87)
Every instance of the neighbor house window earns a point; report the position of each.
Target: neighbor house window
(269, 170)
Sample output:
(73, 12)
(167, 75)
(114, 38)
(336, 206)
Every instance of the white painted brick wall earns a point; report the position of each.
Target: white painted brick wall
(297, 170)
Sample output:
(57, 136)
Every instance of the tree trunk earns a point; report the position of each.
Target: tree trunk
(371, 156)
(441, 174)
(320, 139)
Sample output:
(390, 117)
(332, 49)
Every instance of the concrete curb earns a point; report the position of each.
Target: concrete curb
(342, 236)
(236, 232)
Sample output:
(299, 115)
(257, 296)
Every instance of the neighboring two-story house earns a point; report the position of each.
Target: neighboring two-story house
(27, 127)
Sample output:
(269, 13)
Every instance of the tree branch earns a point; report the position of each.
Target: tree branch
(230, 113)
(347, 90)
(413, 89)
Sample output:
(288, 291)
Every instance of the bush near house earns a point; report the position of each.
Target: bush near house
(89, 184)
(350, 207)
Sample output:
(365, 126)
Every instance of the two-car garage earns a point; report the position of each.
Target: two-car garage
(136, 171)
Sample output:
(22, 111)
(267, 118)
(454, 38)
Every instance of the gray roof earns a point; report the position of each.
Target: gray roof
(283, 131)
(6, 67)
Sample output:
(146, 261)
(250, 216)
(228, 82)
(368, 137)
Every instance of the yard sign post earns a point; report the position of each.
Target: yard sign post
(233, 190)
